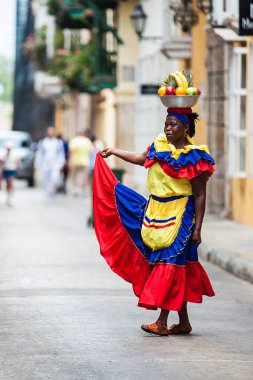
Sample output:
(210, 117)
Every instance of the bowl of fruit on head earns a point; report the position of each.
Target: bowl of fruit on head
(178, 91)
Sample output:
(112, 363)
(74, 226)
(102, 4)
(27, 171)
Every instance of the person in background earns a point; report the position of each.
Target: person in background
(65, 170)
(79, 160)
(1, 173)
(97, 146)
(50, 159)
(10, 162)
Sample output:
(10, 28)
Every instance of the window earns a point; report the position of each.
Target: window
(127, 73)
(237, 113)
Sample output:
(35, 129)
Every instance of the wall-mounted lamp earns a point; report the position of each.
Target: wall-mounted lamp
(139, 19)
(205, 6)
(184, 15)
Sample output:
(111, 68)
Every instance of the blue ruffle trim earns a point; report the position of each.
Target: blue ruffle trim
(131, 207)
(191, 158)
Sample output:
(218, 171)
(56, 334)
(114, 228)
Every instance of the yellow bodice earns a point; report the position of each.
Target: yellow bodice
(158, 182)
(162, 185)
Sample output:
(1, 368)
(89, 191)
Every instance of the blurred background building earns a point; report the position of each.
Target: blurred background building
(31, 113)
(7, 54)
(97, 64)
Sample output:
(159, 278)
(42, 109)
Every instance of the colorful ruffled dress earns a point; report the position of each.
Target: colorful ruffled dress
(148, 242)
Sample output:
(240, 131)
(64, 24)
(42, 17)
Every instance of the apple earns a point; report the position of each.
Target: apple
(198, 91)
(170, 91)
(191, 91)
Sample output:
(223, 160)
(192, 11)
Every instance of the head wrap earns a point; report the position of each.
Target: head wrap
(180, 114)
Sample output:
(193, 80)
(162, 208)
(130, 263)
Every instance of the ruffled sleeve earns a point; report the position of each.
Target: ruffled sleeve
(188, 162)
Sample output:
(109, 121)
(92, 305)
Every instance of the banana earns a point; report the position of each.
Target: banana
(177, 79)
(184, 80)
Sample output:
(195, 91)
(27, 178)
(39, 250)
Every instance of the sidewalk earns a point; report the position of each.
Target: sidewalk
(228, 244)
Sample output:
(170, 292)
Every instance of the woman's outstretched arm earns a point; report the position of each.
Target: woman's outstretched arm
(132, 157)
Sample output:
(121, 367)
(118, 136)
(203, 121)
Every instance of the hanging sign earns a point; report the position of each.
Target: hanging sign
(246, 17)
(149, 89)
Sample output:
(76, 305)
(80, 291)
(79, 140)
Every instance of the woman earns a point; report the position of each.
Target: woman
(153, 244)
(10, 163)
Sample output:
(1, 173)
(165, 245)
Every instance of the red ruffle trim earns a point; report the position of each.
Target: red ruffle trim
(164, 286)
(169, 286)
(115, 244)
(190, 171)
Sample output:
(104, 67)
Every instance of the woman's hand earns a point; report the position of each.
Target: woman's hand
(196, 238)
(107, 152)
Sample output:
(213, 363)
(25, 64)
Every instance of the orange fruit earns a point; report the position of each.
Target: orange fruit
(162, 91)
(180, 91)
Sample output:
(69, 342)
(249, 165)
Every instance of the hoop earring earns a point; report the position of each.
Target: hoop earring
(185, 134)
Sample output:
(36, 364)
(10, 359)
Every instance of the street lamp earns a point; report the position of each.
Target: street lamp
(139, 19)
(205, 6)
(184, 15)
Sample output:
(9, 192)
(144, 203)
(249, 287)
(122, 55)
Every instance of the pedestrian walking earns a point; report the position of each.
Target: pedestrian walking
(50, 160)
(65, 169)
(153, 244)
(9, 163)
(79, 160)
(97, 146)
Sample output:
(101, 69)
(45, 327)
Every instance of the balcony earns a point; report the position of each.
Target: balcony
(178, 48)
(72, 14)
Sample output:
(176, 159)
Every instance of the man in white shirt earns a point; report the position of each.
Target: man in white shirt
(50, 159)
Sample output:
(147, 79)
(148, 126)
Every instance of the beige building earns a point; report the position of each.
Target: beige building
(220, 60)
(115, 109)
(222, 66)
(72, 110)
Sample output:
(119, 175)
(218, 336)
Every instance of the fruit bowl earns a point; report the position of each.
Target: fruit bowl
(179, 101)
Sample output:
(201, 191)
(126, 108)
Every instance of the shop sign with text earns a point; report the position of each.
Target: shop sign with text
(246, 17)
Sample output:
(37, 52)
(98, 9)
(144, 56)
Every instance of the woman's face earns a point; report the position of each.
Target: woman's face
(174, 130)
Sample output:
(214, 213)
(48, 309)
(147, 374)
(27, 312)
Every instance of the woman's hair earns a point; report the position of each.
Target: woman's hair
(193, 117)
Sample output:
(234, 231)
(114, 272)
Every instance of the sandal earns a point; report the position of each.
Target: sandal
(154, 329)
(177, 330)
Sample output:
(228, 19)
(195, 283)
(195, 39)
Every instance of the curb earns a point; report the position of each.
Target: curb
(226, 260)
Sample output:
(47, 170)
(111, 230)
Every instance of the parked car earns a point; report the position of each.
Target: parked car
(25, 150)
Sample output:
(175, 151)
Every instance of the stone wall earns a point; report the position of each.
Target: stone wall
(217, 62)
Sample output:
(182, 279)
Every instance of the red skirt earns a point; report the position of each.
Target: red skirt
(165, 283)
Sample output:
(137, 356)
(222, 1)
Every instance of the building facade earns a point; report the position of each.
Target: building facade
(31, 114)
(221, 63)
(115, 108)
(228, 112)
(159, 53)
(220, 58)
(72, 110)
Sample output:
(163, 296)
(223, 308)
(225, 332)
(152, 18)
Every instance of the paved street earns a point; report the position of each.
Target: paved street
(66, 316)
